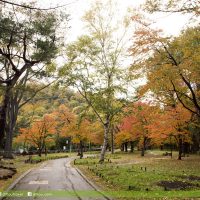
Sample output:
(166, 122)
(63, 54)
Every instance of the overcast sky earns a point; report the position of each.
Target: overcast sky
(172, 24)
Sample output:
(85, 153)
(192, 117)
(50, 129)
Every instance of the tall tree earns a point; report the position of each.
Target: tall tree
(171, 65)
(23, 92)
(24, 42)
(95, 65)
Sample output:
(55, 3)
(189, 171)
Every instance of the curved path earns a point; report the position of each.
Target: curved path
(57, 176)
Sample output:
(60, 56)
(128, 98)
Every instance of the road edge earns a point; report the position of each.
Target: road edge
(92, 184)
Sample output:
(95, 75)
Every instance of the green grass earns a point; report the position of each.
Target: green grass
(126, 172)
(49, 156)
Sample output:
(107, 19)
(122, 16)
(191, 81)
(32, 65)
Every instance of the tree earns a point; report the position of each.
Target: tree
(135, 126)
(80, 134)
(78, 127)
(25, 42)
(171, 65)
(21, 94)
(40, 134)
(95, 65)
(179, 119)
(22, 139)
(64, 119)
(122, 139)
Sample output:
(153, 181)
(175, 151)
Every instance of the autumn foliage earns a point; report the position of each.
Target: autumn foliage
(150, 125)
(40, 134)
(61, 123)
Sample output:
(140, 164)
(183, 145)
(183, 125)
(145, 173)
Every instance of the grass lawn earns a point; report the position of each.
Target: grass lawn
(49, 156)
(152, 176)
(22, 167)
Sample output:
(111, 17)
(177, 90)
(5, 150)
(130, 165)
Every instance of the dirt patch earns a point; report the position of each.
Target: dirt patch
(191, 178)
(176, 185)
(194, 178)
(6, 172)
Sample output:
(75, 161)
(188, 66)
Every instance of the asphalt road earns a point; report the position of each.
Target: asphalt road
(56, 176)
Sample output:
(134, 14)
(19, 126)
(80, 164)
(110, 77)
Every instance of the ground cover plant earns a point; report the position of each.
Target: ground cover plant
(145, 177)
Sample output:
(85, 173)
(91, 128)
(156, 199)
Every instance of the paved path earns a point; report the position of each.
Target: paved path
(56, 175)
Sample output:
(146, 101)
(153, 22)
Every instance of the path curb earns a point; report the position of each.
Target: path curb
(92, 184)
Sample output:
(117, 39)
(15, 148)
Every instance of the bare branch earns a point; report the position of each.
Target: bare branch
(35, 8)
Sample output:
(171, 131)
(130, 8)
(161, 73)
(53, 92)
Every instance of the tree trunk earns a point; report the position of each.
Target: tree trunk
(195, 147)
(12, 113)
(180, 148)
(4, 108)
(8, 144)
(171, 147)
(40, 152)
(186, 148)
(2, 123)
(81, 149)
(126, 146)
(143, 147)
(112, 141)
(3, 114)
(122, 147)
(142, 151)
(45, 150)
(57, 141)
(132, 146)
(105, 142)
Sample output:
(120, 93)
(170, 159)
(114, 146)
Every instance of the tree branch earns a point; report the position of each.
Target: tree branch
(191, 90)
(183, 104)
(35, 93)
(35, 8)
(90, 103)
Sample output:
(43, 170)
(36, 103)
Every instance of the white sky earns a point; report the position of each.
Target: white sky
(172, 24)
